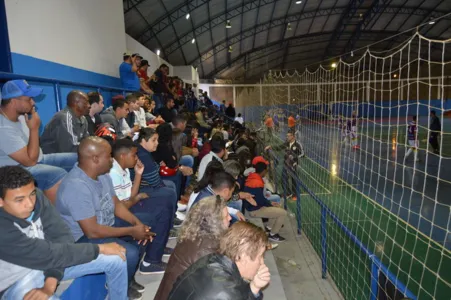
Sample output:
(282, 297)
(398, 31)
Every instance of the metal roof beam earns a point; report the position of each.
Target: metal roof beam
(294, 41)
(131, 4)
(166, 20)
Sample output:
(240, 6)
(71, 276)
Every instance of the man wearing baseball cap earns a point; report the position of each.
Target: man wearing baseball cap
(128, 71)
(19, 131)
(144, 77)
(255, 185)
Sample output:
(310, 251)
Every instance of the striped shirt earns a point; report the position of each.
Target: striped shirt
(122, 182)
(151, 175)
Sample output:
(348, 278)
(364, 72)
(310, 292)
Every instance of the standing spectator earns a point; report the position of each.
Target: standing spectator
(230, 112)
(114, 116)
(159, 85)
(167, 112)
(37, 249)
(239, 119)
(127, 71)
(222, 108)
(19, 134)
(435, 128)
(67, 127)
(199, 236)
(93, 118)
(144, 78)
(237, 271)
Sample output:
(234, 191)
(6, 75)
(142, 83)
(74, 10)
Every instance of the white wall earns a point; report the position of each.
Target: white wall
(187, 74)
(154, 60)
(85, 34)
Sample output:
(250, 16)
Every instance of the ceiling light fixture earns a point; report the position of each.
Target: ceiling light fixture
(352, 53)
(431, 21)
(230, 49)
(158, 52)
(298, 2)
(289, 27)
(333, 65)
(228, 24)
(187, 16)
(395, 75)
(193, 41)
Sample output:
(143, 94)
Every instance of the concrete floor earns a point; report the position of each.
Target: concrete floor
(295, 271)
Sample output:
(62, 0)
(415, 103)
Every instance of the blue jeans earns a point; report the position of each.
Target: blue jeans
(112, 265)
(134, 251)
(273, 198)
(187, 161)
(177, 180)
(52, 168)
(237, 205)
(159, 99)
(164, 197)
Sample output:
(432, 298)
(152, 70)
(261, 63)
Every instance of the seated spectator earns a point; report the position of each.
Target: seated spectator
(161, 192)
(219, 183)
(165, 156)
(204, 127)
(167, 112)
(184, 154)
(144, 78)
(227, 132)
(218, 152)
(237, 271)
(67, 127)
(264, 208)
(114, 116)
(199, 236)
(239, 119)
(89, 206)
(128, 71)
(130, 124)
(19, 131)
(234, 168)
(140, 113)
(37, 249)
(93, 118)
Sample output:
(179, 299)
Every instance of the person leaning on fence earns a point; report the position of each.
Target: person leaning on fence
(264, 208)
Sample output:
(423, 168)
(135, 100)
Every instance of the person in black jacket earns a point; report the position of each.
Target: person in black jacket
(37, 249)
(435, 127)
(93, 118)
(166, 156)
(167, 112)
(240, 260)
(230, 112)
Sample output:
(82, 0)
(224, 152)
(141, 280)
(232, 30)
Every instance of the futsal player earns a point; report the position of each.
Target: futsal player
(352, 130)
(413, 139)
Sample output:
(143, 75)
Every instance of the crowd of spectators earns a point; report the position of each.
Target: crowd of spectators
(103, 190)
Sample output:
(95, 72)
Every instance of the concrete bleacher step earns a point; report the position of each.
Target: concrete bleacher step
(273, 291)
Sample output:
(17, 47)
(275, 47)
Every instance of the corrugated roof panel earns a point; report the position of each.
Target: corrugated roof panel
(249, 19)
(318, 24)
(246, 44)
(218, 33)
(151, 10)
(170, 4)
(260, 39)
(276, 34)
(303, 27)
(221, 58)
(204, 42)
(411, 23)
(216, 7)
(176, 58)
(264, 13)
(281, 8)
(167, 36)
(332, 23)
(199, 15)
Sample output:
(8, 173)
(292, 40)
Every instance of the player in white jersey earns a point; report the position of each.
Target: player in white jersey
(412, 137)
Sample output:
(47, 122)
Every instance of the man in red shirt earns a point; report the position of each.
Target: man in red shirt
(143, 77)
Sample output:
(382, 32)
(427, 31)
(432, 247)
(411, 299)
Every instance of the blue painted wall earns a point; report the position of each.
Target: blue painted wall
(46, 104)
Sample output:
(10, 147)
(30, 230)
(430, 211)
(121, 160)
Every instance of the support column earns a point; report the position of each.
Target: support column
(289, 95)
(234, 96)
(261, 94)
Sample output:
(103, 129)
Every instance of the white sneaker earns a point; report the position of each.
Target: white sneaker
(181, 216)
(272, 246)
(181, 207)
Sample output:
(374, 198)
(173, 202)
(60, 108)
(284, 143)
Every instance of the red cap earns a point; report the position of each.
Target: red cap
(259, 159)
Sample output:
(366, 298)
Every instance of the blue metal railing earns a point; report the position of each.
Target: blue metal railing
(377, 266)
(58, 83)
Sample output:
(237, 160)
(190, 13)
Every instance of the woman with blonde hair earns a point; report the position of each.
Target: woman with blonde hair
(237, 271)
(204, 225)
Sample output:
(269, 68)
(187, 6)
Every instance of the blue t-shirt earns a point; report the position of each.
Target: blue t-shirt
(81, 197)
(129, 79)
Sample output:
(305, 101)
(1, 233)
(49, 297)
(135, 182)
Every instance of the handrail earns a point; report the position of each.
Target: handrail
(13, 76)
(376, 264)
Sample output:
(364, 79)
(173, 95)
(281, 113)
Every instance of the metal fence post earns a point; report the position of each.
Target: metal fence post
(298, 205)
(324, 241)
(374, 279)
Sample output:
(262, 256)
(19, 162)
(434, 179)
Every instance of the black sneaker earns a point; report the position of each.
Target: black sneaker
(177, 222)
(267, 229)
(158, 268)
(134, 294)
(173, 234)
(276, 238)
(136, 286)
